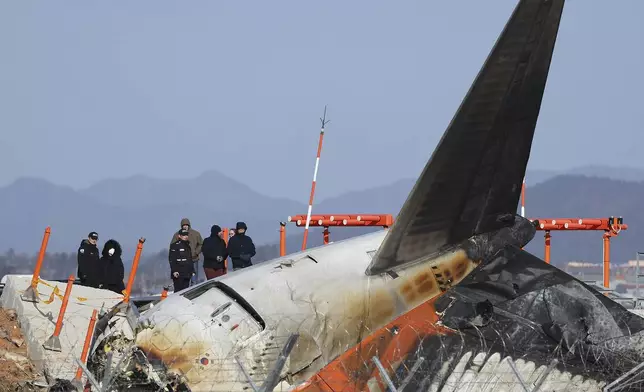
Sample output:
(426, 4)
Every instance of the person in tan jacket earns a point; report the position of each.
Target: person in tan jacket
(195, 240)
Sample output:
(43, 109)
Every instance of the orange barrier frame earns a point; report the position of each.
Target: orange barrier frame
(31, 294)
(611, 227)
(341, 220)
(53, 343)
(88, 339)
(135, 266)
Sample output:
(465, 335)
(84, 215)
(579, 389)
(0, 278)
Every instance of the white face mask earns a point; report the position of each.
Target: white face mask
(110, 252)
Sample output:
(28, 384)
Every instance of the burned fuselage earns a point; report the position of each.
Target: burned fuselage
(229, 333)
(212, 333)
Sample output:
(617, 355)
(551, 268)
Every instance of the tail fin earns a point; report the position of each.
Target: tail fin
(472, 182)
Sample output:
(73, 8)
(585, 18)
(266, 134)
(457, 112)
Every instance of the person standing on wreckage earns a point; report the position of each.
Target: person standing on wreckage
(241, 248)
(181, 266)
(196, 242)
(214, 254)
(113, 271)
(88, 265)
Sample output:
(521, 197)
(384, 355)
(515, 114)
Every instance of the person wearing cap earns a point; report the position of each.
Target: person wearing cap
(112, 269)
(196, 242)
(88, 264)
(214, 254)
(181, 265)
(241, 248)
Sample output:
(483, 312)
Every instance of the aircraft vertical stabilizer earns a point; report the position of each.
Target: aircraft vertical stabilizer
(472, 182)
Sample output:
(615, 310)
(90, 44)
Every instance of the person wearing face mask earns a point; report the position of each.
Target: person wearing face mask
(113, 271)
(88, 264)
(241, 248)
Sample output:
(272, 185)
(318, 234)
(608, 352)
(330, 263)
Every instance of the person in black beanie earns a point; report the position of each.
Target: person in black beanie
(241, 248)
(214, 254)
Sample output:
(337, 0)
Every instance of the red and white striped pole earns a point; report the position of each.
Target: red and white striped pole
(315, 176)
(523, 198)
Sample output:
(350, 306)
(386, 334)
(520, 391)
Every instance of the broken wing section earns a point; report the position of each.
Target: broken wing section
(474, 176)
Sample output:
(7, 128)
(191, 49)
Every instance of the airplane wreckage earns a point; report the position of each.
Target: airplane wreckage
(448, 282)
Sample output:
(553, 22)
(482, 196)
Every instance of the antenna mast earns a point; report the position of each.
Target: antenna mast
(324, 121)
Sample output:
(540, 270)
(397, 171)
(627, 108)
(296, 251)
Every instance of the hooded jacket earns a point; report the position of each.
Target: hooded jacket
(194, 238)
(88, 264)
(241, 248)
(113, 271)
(214, 250)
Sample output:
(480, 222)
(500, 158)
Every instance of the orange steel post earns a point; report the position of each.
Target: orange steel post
(164, 293)
(326, 235)
(224, 235)
(546, 256)
(88, 339)
(31, 294)
(135, 266)
(523, 198)
(282, 239)
(607, 236)
(53, 343)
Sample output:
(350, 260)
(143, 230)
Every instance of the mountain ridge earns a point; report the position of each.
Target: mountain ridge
(36, 203)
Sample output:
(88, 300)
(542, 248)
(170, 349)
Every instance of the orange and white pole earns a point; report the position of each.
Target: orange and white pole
(315, 176)
(523, 198)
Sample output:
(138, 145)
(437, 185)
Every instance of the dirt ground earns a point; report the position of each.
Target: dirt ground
(17, 373)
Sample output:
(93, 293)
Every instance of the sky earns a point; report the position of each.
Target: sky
(92, 90)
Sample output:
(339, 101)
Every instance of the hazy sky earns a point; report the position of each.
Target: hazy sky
(90, 89)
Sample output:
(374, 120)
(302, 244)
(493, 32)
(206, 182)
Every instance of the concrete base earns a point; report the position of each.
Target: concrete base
(30, 295)
(53, 344)
(38, 321)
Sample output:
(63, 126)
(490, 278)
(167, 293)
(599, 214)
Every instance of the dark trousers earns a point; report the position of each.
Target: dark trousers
(240, 264)
(181, 283)
(195, 278)
(213, 272)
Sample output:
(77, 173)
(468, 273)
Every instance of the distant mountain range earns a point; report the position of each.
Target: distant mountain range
(534, 177)
(129, 208)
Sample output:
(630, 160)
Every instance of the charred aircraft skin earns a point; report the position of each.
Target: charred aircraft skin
(513, 306)
(251, 317)
(460, 213)
(251, 313)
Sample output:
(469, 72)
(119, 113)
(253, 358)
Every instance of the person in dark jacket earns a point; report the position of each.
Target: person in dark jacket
(241, 248)
(196, 242)
(214, 254)
(88, 264)
(112, 267)
(180, 258)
